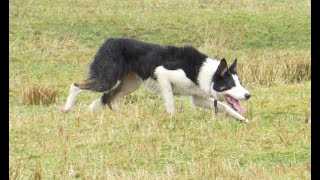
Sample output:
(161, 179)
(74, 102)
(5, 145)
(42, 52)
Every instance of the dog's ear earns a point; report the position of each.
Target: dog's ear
(222, 68)
(233, 67)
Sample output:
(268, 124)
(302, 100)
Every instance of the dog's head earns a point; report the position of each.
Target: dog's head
(228, 86)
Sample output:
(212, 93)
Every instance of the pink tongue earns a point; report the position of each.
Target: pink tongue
(235, 103)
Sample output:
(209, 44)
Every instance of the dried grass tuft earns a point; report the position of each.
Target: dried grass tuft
(39, 95)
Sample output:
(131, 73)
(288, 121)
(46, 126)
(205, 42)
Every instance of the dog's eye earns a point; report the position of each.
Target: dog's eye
(231, 84)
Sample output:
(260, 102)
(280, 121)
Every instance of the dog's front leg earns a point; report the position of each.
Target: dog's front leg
(229, 111)
(167, 94)
(208, 103)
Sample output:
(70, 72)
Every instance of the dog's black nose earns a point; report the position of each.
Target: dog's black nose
(247, 96)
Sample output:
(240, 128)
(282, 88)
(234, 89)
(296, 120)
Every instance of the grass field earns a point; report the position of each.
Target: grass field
(53, 42)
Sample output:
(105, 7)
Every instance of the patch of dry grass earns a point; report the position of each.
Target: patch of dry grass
(38, 95)
(276, 68)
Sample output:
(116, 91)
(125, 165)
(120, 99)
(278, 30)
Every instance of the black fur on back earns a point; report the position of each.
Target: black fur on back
(117, 57)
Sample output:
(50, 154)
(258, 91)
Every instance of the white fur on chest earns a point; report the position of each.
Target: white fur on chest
(206, 73)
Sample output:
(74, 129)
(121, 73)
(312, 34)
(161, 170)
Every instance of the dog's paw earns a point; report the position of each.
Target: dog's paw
(115, 107)
(170, 110)
(247, 121)
(65, 109)
(244, 120)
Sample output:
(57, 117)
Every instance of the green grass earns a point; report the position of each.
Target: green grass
(53, 42)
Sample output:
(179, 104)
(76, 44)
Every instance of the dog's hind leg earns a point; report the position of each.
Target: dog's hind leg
(95, 104)
(129, 84)
(208, 103)
(105, 99)
(73, 92)
(75, 89)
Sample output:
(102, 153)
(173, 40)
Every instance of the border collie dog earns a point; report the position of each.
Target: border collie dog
(121, 65)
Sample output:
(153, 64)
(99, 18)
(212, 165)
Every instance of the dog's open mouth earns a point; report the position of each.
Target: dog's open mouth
(234, 103)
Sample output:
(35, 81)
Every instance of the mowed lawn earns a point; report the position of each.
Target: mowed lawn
(53, 42)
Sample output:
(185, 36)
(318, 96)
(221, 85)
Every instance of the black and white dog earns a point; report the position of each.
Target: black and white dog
(121, 65)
